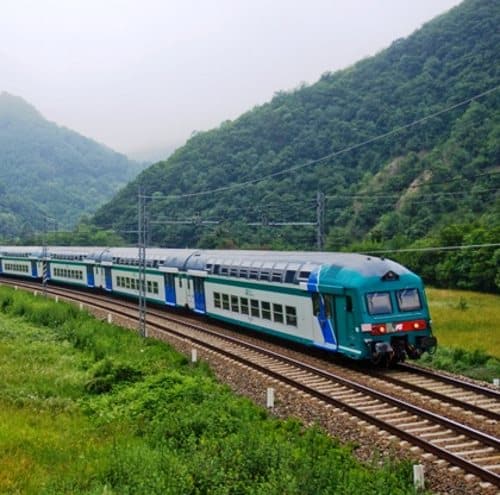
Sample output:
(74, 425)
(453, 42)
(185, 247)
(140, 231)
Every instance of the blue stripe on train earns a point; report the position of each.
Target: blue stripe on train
(324, 322)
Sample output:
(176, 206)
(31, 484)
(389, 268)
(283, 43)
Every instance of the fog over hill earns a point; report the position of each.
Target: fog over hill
(48, 171)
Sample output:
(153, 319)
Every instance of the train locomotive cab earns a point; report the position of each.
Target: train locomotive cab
(375, 309)
(395, 321)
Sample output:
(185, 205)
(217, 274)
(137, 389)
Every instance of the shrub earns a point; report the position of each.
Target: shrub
(475, 364)
(106, 374)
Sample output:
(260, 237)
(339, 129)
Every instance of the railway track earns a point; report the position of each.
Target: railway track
(475, 398)
(442, 438)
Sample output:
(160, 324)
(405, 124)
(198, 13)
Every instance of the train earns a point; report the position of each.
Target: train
(359, 306)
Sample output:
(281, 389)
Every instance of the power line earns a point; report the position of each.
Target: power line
(430, 249)
(369, 195)
(347, 149)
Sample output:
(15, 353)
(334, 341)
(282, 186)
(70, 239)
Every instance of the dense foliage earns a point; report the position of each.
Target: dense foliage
(404, 188)
(50, 171)
(88, 408)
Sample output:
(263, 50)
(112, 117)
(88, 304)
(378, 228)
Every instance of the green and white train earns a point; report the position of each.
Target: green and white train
(363, 307)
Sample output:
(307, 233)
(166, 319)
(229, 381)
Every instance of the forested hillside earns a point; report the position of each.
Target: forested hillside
(50, 171)
(434, 182)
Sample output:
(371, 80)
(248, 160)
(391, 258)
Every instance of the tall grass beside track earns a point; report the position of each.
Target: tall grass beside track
(89, 408)
(467, 326)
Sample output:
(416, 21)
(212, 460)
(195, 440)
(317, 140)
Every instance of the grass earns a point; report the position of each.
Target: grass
(468, 320)
(88, 408)
(466, 326)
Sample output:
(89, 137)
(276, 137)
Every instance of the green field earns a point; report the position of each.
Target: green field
(89, 408)
(469, 320)
(466, 325)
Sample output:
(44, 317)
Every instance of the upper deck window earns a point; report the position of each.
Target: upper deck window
(379, 303)
(408, 300)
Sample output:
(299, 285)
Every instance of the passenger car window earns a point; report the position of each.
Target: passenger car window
(278, 313)
(254, 307)
(217, 303)
(315, 303)
(291, 315)
(234, 304)
(244, 305)
(266, 310)
(379, 303)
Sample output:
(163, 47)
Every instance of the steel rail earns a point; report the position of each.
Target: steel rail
(438, 395)
(449, 379)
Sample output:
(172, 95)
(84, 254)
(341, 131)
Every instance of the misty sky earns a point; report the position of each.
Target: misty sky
(140, 74)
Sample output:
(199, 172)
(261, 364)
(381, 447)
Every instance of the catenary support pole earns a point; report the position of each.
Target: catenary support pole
(320, 220)
(142, 236)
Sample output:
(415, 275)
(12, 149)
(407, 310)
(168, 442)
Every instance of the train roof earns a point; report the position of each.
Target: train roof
(285, 266)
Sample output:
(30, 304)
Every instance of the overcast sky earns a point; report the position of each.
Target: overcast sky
(144, 74)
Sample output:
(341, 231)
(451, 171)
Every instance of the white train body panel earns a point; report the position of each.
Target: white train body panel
(70, 273)
(126, 281)
(274, 312)
(21, 267)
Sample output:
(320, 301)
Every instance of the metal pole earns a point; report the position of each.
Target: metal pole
(45, 269)
(320, 219)
(142, 236)
(45, 263)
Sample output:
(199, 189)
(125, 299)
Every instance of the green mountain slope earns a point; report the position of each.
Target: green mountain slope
(402, 187)
(50, 171)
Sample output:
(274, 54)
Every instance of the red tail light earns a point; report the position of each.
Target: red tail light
(379, 329)
(408, 326)
(403, 326)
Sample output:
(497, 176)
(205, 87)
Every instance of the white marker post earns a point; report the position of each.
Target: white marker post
(110, 318)
(270, 398)
(496, 382)
(418, 477)
(194, 355)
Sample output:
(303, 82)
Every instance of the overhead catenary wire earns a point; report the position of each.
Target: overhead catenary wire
(266, 211)
(369, 195)
(433, 248)
(334, 154)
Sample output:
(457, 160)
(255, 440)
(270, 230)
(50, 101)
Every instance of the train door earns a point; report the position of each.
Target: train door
(170, 289)
(324, 312)
(34, 271)
(90, 276)
(346, 333)
(107, 278)
(199, 295)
